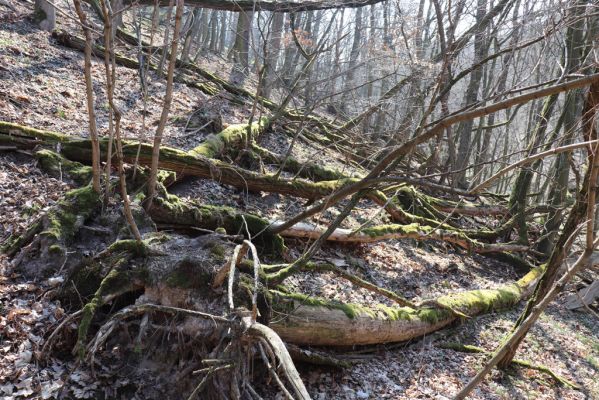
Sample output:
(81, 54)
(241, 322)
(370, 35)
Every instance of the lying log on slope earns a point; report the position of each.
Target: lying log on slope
(318, 322)
(210, 84)
(172, 160)
(306, 320)
(197, 165)
(396, 231)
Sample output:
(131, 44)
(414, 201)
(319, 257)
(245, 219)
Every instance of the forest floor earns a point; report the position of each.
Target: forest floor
(41, 85)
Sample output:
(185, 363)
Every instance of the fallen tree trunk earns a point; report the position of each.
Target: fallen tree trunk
(395, 231)
(317, 322)
(212, 87)
(184, 164)
(232, 137)
(170, 277)
(187, 164)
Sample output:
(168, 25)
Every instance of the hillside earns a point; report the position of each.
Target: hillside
(84, 255)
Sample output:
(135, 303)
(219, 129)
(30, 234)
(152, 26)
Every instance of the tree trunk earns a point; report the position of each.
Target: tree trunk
(273, 49)
(45, 15)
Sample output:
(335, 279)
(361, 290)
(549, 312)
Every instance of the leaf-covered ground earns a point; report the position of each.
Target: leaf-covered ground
(41, 84)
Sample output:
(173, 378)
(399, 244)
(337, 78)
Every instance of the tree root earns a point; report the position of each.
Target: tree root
(465, 348)
(43, 245)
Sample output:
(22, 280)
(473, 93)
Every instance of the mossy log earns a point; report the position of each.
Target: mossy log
(309, 170)
(58, 166)
(312, 321)
(197, 165)
(170, 209)
(172, 160)
(232, 137)
(396, 231)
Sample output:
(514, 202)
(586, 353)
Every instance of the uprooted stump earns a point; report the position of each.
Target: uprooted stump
(171, 279)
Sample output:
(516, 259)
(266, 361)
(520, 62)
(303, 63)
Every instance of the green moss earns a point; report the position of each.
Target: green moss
(471, 302)
(221, 230)
(230, 137)
(46, 136)
(381, 230)
(140, 249)
(484, 300)
(214, 217)
(61, 222)
(114, 282)
(217, 251)
(309, 170)
(58, 166)
(56, 250)
(189, 275)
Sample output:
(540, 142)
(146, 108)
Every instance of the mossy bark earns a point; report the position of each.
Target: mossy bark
(50, 235)
(319, 322)
(172, 268)
(231, 137)
(58, 166)
(170, 209)
(396, 231)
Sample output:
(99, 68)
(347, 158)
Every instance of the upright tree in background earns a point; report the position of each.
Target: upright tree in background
(89, 90)
(45, 15)
(165, 106)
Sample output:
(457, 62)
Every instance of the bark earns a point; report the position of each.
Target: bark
(115, 129)
(386, 232)
(44, 15)
(93, 130)
(241, 47)
(464, 131)
(273, 49)
(585, 203)
(166, 103)
(184, 164)
(570, 114)
(318, 322)
(170, 277)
